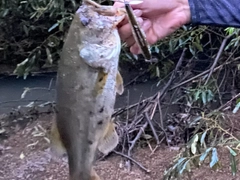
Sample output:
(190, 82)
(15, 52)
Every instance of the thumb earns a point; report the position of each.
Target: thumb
(118, 4)
(136, 4)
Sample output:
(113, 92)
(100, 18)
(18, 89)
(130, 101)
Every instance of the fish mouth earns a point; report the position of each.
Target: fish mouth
(91, 12)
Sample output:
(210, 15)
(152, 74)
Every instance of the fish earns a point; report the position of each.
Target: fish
(88, 81)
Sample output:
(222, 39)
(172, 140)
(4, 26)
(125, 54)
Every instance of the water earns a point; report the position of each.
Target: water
(11, 89)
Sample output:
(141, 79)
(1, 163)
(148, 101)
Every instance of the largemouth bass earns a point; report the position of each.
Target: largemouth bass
(87, 83)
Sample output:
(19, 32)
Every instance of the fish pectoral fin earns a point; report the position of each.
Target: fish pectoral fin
(119, 84)
(56, 145)
(98, 57)
(109, 140)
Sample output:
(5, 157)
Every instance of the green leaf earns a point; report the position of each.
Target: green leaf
(192, 50)
(214, 158)
(171, 46)
(5, 12)
(195, 121)
(209, 95)
(156, 49)
(128, 56)
(184, 167)
(196, 162)
(198, 46)
(179, 162)
(232, 151)
(236, 43)
(194, 144)
(203, 138)
(53, 27)
(61, 26)
(157, 71)
(204, 99)
(49, 56)
(236, 108)
(233, 164)
(204, 155)
(26, 30)
(188, 167)
(196, 95)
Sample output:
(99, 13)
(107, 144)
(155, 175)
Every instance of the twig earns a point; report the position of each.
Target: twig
(134, 79)
(138, 106)
(120, 110)
(22, 100)
(50, 84)
(133, 160)
(165, 88)
(128, 105)
(217, 57)
(202, 74)
(152, 127)
(126, 136)
(133, 142)
(227, 103)
(161, 120)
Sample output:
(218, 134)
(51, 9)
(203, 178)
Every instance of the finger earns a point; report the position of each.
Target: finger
(137, 13)
(146, 24)
(135, 49)
(126, 30)
(151, 35)
(118, 4)
(130, 41)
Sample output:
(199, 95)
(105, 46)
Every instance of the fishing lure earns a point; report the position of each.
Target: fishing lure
(138, 34)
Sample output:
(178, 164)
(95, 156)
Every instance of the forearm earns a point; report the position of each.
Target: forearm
(215, 12)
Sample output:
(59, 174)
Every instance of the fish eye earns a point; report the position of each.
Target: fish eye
(85, 21)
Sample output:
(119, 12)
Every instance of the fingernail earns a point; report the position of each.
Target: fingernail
(146, 25)
(135, 49)
(140, 21)
(137, 12)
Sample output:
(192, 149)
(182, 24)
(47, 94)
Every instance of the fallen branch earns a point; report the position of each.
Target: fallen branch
(152, 127)
(204, 73)
(133, 160)
(163, 91)
(133, 142)
(229, 102)
(217, 57)
(165, 88)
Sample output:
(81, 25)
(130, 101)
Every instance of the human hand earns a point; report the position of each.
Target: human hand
(157, 18)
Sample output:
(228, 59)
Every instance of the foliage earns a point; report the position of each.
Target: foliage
(210, 131)
(205, 145)
(33, 32)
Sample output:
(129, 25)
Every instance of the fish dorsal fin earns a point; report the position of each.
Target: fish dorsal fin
(56, 145)
(119, 84)
(109, 140)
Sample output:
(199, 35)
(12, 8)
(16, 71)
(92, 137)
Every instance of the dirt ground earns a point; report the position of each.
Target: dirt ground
(25, 155)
